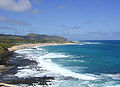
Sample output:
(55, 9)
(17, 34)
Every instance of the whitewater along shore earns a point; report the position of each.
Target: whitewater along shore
(6, 70)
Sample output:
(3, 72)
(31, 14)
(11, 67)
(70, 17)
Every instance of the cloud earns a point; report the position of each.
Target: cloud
(96, 33)
(36, 1)
(115, 32)
(76, 27)
(71, 27)
(35, 11)
(5, 27)
(5, 20)
(64, 26)
(88, 22)
(15, 5)
(62, 7)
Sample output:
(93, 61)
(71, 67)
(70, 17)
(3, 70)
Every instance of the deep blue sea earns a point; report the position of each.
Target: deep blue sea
(87, 64)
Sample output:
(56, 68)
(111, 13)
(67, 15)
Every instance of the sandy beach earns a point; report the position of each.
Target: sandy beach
(7, 85)
(32, 45)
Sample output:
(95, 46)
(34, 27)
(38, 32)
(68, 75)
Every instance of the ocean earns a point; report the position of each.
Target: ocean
(87, 64)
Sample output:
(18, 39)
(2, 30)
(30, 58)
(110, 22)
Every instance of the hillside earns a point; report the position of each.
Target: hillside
(7, 41)
(10, 37)
(31, 38)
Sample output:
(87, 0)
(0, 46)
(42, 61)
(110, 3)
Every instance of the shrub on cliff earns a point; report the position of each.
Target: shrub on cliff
(4, 54)
(3, 49)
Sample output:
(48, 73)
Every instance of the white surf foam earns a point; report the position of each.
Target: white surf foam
(54, 55)
(23, 51)
(83, 43)
(38, 48)
(92, 43)
(57, 69)
(52, 68)
(44, 60)
(112, 76)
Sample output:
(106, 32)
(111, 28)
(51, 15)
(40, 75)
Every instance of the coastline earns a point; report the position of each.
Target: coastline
(7, 85)
(3, 68)
(23, 46)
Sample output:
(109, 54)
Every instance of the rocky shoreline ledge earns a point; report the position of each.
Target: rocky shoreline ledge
(10, 62)
(7, 76)
(5, 55)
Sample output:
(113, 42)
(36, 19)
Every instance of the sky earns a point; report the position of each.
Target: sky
(73, 19)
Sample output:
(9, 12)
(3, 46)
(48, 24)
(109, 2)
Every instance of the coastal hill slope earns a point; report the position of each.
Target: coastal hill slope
(11, 37)
(33, 37)
(7, 41)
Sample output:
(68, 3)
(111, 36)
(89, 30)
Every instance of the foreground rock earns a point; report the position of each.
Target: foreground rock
(30, 81)
(4, 55)
(9, 77)
(4, 59)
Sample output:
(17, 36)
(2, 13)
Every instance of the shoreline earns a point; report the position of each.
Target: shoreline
(23, 46)
(3, 68)
(7, 85)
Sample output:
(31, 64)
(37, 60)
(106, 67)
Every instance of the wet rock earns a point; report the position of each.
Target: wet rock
(30, 81)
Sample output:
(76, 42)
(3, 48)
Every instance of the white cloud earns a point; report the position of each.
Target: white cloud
(62, 7)
(5, 28)
(71, 27)
(15, 5)
(6, 20)
(36, 1)
(36, 11)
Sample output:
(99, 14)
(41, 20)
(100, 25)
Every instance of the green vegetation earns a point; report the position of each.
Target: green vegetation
(30, 38)
(6, 45)
(7, 41)
(4, 55)
(1, 49)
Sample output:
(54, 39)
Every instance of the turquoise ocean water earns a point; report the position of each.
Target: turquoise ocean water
(87, 64)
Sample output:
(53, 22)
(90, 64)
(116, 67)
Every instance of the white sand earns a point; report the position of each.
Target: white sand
(31, 45)
(7, 85)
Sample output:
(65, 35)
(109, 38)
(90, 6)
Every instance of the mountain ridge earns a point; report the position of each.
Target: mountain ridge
(33, 37)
